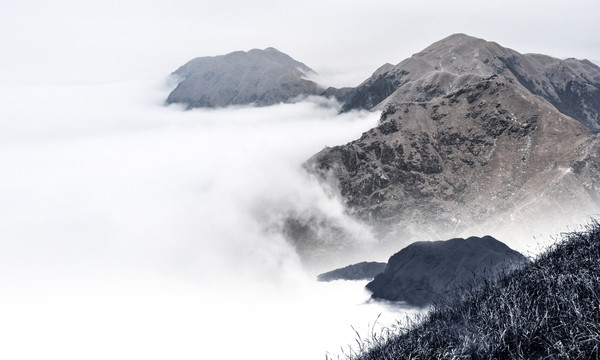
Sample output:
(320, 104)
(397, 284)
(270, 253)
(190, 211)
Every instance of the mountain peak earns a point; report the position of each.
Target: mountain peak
(272, 49)
(572, 86)
(259, 77)
(462, 50)
(263, 52)
(455, 42)
(458, 38)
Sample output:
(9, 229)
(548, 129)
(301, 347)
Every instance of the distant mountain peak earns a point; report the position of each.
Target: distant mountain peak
(272, 49)
(456, 40)
(259, 77)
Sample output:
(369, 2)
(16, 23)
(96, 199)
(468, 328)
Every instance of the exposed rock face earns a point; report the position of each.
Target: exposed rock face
(361, 271)
(572, 86)
(259, 77)
(425, 272)
(489, 152)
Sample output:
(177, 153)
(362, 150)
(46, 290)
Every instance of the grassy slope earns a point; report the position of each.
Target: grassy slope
(549, 309)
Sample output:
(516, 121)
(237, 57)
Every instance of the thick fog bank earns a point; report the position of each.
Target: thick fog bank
(135, 230)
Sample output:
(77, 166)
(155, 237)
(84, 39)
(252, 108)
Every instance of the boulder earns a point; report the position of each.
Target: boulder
(428, 271)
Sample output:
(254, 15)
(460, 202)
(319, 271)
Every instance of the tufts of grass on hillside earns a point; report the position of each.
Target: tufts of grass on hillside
(548, 309)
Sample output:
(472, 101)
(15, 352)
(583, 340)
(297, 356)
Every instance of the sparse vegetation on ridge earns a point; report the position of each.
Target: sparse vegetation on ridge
(548, 309)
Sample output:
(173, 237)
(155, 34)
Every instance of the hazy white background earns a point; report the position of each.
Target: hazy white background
(133, 230)
(94, 40)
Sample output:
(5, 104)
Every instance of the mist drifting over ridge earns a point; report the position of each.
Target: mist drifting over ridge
(140, 230)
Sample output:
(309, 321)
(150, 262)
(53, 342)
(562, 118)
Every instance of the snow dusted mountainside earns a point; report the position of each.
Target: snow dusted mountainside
(572, 86)
(259, 77)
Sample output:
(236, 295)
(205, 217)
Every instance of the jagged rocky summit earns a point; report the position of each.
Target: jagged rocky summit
(258, 77)
(463, 145)
(572, 86)
(365, 270)
(428, 271)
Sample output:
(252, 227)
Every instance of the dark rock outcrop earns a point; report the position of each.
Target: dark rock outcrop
(425, 272)
(572, 86)
(361, 271)
(258, 77)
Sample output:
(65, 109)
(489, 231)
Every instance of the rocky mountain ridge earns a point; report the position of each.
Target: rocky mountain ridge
(489, 154)
(570, 85)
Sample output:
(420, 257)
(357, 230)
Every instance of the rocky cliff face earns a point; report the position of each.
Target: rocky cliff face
(425, 272)
(259, 77)
(572, 86)
(487, 153)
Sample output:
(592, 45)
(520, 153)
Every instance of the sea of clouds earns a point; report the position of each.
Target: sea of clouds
(135, 230)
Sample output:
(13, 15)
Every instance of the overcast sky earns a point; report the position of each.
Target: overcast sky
(103, 40)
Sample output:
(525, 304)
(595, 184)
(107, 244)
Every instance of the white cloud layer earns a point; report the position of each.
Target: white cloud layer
(135, 230)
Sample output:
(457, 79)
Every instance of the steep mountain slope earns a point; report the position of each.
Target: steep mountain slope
(487, 154)
(571, 85)
(548, 309)
(260, 77)
(429, 271)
